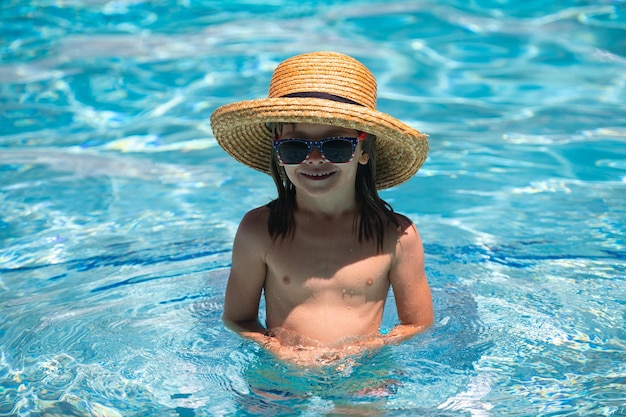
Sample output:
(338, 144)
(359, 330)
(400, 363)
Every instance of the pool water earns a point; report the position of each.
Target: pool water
(118, 209)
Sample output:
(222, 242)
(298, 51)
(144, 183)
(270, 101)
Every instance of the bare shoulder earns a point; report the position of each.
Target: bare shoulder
(407, 230)
(407, 243)
(404, 221)
(255, 218)
(252, 229)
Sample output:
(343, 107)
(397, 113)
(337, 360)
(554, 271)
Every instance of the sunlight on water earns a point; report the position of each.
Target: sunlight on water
(119, 209)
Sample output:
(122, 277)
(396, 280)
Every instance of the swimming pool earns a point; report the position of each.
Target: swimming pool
(118, 209)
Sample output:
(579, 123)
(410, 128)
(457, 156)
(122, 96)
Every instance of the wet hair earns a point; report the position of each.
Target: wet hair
(375, 214)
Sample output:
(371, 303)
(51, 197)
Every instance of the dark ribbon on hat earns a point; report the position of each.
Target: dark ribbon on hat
(324, 96)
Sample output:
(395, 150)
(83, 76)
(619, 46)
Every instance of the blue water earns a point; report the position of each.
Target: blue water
(118, 209)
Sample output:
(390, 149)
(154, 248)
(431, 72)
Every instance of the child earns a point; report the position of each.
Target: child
(325, 252)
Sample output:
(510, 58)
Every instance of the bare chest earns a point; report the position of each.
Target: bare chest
(327, 266)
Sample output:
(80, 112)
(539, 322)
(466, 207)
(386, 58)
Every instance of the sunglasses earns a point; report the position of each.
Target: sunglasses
(338, 150)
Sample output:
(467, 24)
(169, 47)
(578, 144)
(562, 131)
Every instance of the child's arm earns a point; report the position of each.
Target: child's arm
(410, 286)
(247, 277)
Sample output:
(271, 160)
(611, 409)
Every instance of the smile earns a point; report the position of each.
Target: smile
(317, 175)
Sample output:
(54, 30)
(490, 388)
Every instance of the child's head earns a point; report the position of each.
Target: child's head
(331, 150)
(323, 88)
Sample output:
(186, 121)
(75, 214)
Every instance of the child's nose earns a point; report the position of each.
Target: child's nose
(315, 155)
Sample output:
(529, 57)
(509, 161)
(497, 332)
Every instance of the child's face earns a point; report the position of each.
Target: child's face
(316, 174)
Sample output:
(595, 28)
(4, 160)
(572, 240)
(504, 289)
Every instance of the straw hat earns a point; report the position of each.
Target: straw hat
(322, 88)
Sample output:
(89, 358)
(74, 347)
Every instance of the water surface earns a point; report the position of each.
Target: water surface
(119, 209)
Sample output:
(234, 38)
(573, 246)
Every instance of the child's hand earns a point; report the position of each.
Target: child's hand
(317, 355)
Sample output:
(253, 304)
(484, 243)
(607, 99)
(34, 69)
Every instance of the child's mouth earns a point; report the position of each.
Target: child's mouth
(317, 175)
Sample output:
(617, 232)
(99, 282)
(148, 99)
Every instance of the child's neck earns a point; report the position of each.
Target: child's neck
(326, 206)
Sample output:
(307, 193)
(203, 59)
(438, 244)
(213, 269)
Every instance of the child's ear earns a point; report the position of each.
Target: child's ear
(364, 158)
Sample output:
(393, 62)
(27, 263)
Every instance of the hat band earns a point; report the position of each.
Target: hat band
(324, 96)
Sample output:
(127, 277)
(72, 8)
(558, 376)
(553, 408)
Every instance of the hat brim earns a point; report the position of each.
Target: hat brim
(240, 129)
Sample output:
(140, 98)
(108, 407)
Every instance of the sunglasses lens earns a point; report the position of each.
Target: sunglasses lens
(293, 152)
(296, 151)
(338, 151)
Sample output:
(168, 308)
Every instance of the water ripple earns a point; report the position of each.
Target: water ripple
(119, 209)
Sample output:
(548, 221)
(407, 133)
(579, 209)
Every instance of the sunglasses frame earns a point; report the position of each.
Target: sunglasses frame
(318, 144)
